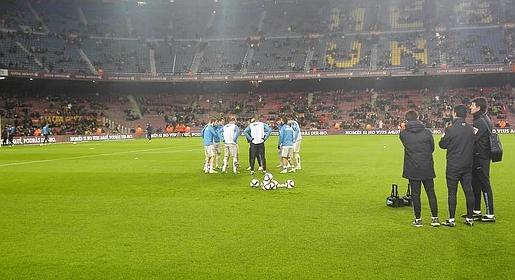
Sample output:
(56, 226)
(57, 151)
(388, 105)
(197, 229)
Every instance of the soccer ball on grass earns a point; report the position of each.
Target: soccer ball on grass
(254, 183)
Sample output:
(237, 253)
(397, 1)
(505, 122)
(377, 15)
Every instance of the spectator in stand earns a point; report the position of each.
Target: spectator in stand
(501, 124)
(37, 132)
(138, 131)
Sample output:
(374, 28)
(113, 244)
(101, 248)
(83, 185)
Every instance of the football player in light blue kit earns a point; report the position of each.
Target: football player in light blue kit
(286, 135)
(297, 138)
(46, 132)
(208, 134)
(218, 126)
(230, 133)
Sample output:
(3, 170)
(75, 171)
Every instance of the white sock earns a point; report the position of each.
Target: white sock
(477, 211)
(224, 166)
(451, 220)
(234, 165)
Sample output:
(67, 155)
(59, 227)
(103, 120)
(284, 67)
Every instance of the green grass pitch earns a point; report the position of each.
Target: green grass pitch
(93, 211)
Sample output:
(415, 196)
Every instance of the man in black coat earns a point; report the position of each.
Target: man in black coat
(458, 139)
(418, 165)
(481, 167)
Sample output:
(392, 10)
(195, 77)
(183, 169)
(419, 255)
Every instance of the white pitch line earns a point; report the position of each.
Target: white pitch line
(97, 155)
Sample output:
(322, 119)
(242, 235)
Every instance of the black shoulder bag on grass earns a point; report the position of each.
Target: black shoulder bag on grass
(495, 144)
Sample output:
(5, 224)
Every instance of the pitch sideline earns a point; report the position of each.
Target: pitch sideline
(96, 155)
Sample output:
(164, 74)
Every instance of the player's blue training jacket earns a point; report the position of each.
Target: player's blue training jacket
(296, 131)
(286, 136)
(45, 130)
(218, 131)
(208, 134)
(279, 126)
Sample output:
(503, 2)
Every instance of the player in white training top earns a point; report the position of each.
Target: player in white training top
(230, 133)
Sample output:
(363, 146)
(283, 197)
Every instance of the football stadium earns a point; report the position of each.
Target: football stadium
(257, 139)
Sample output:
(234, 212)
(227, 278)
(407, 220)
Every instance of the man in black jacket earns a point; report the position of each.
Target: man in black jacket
(458, 139)
(481, 167)
(12, 132)
(5, 135)
(418, 165)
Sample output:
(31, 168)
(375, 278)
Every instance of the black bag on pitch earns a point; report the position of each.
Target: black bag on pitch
(394, 200)
(408, 201)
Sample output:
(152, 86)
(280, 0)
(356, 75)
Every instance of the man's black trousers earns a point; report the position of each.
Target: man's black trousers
(465, 178)
(481, 184)
(429, 186)
(257, 151)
